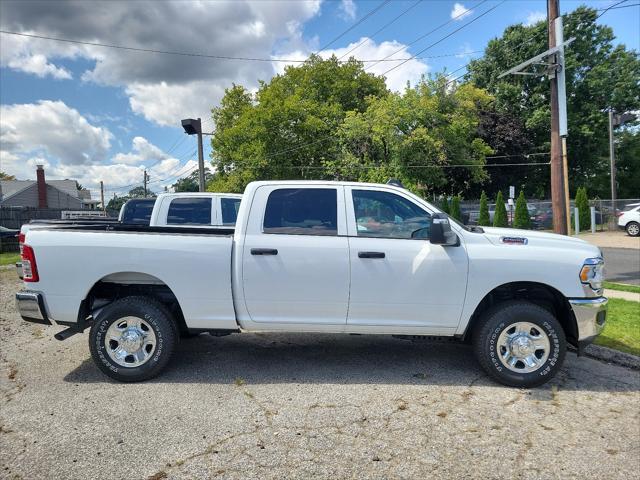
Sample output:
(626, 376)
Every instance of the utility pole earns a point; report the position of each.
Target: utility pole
(555, 72)
(145, 180)
(194, 126)
(104, 208)
(612, 158)
(558, 195)
(200, 158)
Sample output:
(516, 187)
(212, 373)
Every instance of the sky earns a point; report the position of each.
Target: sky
(92, 113)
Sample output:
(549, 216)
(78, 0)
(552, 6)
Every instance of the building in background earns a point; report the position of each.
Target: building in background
(42, 193)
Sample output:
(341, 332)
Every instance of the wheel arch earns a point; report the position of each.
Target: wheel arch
(540, 294)
(116, 285)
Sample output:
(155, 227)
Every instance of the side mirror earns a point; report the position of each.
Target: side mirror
(440, 231)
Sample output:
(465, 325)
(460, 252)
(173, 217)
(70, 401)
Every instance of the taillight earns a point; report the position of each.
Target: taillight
(21, 238)
(29, 267)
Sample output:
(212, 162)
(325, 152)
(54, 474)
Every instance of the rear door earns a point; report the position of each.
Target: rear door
(295, 259)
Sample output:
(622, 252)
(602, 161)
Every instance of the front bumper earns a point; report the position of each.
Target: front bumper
(31, 307)
(591, 315)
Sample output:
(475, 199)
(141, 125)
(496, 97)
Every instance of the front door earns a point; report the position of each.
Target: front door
(397, 277)
(296, 256)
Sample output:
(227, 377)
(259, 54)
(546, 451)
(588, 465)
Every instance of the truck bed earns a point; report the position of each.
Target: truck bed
(194, 263)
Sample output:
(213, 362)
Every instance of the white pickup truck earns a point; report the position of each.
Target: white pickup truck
(318, 257)
(191, 209)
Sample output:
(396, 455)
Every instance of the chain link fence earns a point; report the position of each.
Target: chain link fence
(541, 212)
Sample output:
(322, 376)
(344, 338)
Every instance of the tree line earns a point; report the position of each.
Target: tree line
(327, 119)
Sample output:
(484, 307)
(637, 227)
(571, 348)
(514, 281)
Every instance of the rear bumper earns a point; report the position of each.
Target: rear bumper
(31, 307)
(591, 316)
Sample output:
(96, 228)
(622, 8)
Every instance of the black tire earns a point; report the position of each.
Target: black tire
(633, 227)
(156, 316)
(502, 317)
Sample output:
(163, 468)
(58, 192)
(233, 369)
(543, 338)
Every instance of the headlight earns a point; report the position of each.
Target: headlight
(592, 273)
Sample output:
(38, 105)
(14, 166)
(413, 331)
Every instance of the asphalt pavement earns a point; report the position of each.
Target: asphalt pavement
(304, 406)
(622, 265)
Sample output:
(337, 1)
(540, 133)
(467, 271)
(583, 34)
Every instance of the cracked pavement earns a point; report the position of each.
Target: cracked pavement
(301, 406)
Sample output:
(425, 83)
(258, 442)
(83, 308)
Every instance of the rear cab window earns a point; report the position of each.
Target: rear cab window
(301, 211)
(189, 211)
(229, 208)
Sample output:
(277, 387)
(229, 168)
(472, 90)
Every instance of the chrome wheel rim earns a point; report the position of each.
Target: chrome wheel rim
(130, 342)
(523, 347)
(633, 229)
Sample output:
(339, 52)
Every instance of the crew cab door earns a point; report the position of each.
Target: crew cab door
(295, 258)
(397, 279)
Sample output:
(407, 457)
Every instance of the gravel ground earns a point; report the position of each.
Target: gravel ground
(302, 406)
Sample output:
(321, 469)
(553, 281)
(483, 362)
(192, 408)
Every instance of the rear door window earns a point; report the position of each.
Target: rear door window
(302, 211)
(189, 211)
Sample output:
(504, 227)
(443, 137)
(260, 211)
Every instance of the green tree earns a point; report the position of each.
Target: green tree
(331, 120)
(455, 208)
(599, 74)
(500, 215)
(191, 183)
(483, 218)
(411, 135)
(444, 205)
(290, 128)
(6, 176)
(584, 212)
(116, 202)
(521, 217)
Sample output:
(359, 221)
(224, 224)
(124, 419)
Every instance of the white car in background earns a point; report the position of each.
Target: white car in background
(629, 219)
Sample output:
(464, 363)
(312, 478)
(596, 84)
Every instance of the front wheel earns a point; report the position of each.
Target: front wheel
(633, 229)
(133, 339)
(520, 344)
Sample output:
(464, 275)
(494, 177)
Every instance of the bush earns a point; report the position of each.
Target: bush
(455, 208)
(521, 218)
(500, 217)
(582, 203)
(444, 205)
(483, 218)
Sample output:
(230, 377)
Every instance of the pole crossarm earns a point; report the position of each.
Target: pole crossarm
(517, 70)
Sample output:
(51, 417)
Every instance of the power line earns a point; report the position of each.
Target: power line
(415, 4)
(370, 13)
(447, 36)
(610, 7)
(217, 57)
(414, 41)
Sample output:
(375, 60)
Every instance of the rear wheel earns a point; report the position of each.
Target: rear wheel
(133, 339)
(633, 229)
(520, 344)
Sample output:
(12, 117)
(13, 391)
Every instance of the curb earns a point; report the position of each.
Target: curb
(610, 355)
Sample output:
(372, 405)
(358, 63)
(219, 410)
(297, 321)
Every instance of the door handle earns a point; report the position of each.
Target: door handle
(264, 251)
(371, 255)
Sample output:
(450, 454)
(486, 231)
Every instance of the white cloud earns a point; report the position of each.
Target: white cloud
(54, 135)
(348, 9)
(397, 79)
(460, 11)
(167, 104)
(142, 151)
(38, 65)
(54, 130)
(160, 87)
(535, 17)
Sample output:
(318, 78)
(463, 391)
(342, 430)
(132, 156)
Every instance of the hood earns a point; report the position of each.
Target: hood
(538, 239)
